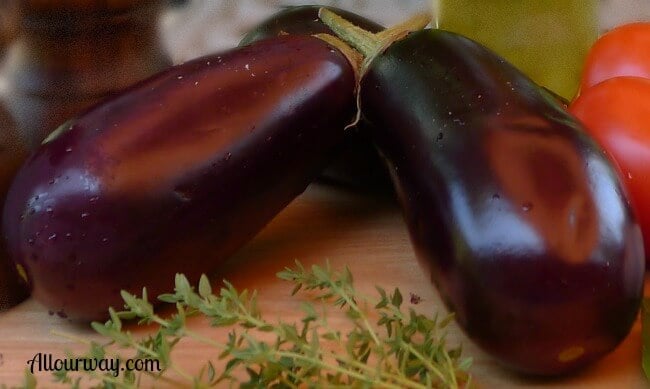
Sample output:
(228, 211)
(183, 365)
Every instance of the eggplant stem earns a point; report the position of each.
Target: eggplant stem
(367, 43)
(364, 41)
(354, 57)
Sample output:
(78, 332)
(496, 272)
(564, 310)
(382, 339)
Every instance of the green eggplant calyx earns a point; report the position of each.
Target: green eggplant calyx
(367, 43)
(355, 59)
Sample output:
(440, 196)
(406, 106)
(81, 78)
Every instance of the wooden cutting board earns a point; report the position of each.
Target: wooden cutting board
(324, 224)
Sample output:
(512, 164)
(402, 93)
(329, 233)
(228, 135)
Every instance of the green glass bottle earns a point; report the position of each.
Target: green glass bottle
(547, 39)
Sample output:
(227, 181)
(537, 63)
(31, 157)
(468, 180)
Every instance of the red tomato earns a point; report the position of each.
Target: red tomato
(623, 51)
(616, 113)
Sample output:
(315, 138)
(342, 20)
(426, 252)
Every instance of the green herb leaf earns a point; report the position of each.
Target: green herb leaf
(29, 381)
(205, 289)
(401, 349)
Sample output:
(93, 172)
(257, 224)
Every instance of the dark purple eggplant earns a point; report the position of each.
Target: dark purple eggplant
(517, 213)
(176, 173)
(302, 20)
(358, 166)
(13, 152)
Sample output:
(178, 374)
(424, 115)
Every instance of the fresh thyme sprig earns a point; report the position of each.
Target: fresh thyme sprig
(402, 349)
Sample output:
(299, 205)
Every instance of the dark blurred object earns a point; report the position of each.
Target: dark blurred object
(358, 166)
(70, 54)
(8, 24)
(67, 56)
(12, 153)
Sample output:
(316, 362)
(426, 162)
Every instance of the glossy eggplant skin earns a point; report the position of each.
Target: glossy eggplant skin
(358, 165)
(176, 173)
(518, 215)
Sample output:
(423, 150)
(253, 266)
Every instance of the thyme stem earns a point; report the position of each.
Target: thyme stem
(407, 354)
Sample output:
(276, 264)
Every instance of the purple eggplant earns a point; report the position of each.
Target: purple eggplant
(302, 20)
(519, 215)
(13, 151)
(358, 165)
(176, 173)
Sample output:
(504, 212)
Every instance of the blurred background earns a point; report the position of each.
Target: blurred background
(196, 27)
(201, 26)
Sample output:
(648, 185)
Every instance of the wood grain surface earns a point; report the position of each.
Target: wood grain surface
(324, 224)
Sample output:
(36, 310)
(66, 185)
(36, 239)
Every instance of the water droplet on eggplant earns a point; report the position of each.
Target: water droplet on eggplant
(183, 195)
